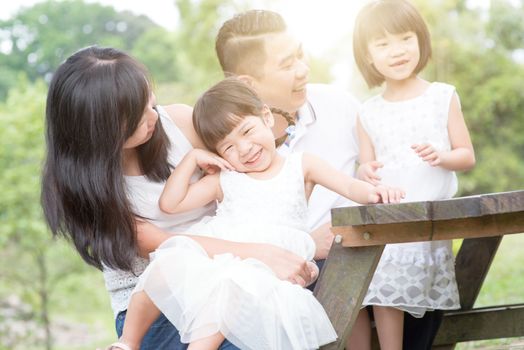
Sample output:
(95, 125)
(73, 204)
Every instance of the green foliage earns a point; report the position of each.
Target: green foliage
(158, 50)
(42, 36)
(25, 242)
(473, 49)
(470, 53)
(199, 23)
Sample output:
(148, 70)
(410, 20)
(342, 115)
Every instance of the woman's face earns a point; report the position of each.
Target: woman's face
(145, 127)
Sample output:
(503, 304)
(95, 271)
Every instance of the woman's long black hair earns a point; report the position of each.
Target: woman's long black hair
(96, 100)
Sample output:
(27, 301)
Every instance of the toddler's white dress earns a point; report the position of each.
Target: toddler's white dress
(242, 299)
(413, 277)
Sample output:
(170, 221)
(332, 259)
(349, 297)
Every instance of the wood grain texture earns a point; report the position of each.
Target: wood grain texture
(481, 324)
(342, 286)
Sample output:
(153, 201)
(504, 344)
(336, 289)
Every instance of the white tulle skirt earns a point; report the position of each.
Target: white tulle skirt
(242, 299)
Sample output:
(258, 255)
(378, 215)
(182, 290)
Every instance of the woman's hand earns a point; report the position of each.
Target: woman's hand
(368, 172)
(428, 153)
(386, 194)
(209, 162)
(286, 265)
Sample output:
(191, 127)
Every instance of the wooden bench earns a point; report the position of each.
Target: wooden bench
(362, 231)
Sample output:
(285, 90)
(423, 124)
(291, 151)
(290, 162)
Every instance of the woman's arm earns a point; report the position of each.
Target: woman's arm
(182, 116)
(286, 265)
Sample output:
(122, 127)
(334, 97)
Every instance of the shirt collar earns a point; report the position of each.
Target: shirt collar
(306, 114)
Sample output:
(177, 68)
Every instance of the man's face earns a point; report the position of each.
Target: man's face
(284, 75)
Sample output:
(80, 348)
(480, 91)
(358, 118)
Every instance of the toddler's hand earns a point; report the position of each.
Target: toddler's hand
(367, 172)
(428, 153)
(209, 162)
(386, 194)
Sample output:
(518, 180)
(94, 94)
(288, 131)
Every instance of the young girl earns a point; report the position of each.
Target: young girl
(412, 135)
(264, 200)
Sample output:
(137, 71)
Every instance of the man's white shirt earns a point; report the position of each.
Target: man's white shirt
(326, 127)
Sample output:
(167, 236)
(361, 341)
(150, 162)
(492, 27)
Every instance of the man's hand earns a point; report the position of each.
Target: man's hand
(323, 238)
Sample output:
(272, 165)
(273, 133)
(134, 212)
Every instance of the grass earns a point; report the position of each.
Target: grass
(503, 285)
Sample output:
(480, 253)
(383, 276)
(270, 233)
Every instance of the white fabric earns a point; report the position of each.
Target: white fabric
(326, 127)
(413, 277)
(143, 195)
(242, 299)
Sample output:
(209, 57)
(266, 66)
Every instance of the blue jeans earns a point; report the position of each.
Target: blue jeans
(162, 335)
(320, 264)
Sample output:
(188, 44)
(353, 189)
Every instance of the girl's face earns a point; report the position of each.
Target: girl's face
(250, 146)
(145, 127)
(395, 56)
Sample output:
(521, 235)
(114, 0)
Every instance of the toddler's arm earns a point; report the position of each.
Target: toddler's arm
(180, 195)
(462, 155)
(317, 171)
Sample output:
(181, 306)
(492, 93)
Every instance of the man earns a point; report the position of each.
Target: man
(256, 47)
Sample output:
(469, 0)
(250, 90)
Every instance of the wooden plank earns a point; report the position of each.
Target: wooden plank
(462, 207)
(483, 226)
(343, 284)
(481, 324)
(369, 235)
(506, 202)
(381, 214)
(472, 265)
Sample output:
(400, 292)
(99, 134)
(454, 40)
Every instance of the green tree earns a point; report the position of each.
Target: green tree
(38, 38)
(32, 263)
(158, 50)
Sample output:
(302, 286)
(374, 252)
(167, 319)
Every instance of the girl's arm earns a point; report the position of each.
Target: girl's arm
(462, 156)
(368, 165)
(286, 265)
(317, 171)
(180, 195)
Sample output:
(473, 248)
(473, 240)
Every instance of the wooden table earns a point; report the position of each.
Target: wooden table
(362, 231)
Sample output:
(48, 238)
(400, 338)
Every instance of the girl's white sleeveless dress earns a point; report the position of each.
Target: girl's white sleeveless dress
(413, 277)
(242, 299)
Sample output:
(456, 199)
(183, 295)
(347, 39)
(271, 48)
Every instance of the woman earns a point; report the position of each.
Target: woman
(110, 149)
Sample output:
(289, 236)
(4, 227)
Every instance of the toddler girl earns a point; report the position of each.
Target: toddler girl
(263, 200)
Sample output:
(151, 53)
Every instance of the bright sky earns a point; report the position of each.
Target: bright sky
(319, 24)
(323, 26)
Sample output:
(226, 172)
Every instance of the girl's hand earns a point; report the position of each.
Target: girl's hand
(367, 172)
(286, 265)
(209, 162)
(386, 194)
(428, 153)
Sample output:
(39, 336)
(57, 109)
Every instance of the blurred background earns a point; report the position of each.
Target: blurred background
(50, 299)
